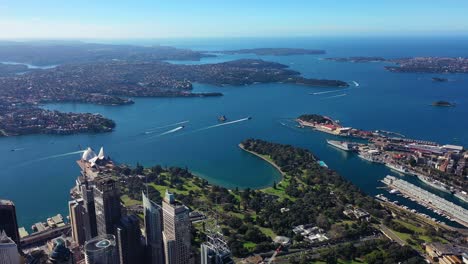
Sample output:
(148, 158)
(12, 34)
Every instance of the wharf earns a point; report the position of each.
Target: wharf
(428, 199)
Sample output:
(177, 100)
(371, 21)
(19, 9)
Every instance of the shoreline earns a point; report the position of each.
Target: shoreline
(283, 175)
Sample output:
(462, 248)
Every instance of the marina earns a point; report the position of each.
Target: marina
(438, 204)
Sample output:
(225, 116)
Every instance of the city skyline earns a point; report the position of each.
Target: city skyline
(185, 19)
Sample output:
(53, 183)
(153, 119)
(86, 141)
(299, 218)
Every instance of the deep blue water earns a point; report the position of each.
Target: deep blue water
(38, 181)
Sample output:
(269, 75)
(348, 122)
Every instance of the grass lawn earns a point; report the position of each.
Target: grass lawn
(250, 245)
(268, 232)
(129, 201)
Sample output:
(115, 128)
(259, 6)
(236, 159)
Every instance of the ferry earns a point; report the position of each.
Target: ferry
(396, 167)
(222, 118)
(341, 145)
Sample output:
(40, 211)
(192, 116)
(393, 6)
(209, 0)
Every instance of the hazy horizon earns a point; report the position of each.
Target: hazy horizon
(53, 19)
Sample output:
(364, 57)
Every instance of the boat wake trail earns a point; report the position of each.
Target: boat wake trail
(60, 155)
(154, 130)
(51, 157)
(356, 83)
(340, 95)
(171, 131)
(336, 91)
(167, 132)
(223, 124)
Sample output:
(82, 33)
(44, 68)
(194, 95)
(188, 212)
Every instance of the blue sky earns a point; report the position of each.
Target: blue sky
(229, 18)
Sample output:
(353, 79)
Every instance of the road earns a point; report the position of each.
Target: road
(391, 235)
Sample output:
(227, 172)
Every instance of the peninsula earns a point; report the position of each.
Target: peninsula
(443, 167)
(430, 65)
(111, 83)
(274, 51)
(417, 64)
(313, 206)
(357, 59)
(310, 197)
(31, 120)
(44, 53)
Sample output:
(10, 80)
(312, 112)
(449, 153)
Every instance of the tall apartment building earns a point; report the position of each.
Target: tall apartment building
(78, 220)
(153, 231)
(176, 231)
(107, 205)
(129, 240)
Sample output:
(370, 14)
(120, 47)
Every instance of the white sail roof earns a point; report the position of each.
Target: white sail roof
(88, 154)
(101, 153)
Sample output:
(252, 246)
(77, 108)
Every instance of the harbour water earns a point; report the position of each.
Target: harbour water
(37, 176)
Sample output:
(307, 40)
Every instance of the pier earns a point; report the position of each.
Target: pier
(428, 199)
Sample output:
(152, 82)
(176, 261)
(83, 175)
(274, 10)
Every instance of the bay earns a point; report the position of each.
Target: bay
(37, 176)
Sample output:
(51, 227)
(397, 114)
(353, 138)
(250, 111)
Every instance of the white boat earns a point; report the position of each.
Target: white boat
(346, 146)
(397, 167)
(434, 184)
(368, 157)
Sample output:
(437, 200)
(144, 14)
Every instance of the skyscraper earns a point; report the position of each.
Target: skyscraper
(153, 231)
(176, 234)
(8, 221)
(101, 250)
(129, 240)
(8, 250)
(107, 205)
(215, 250)
(78, 220)
(90, 224)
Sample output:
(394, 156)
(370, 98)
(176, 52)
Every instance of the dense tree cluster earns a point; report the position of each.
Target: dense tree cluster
(311, 193)
(314, 118)
(372, 252)
(317, 195)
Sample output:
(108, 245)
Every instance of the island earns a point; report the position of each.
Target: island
(274, 51)
(439, 79)
(443, 104)
(357, 59)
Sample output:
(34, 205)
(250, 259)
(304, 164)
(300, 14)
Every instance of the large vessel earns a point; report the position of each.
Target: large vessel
(434, 184)
(346, 146)
(369, 157)
(397, 167)
(462, 196)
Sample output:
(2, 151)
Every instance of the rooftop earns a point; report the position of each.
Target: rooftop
(6, 202)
